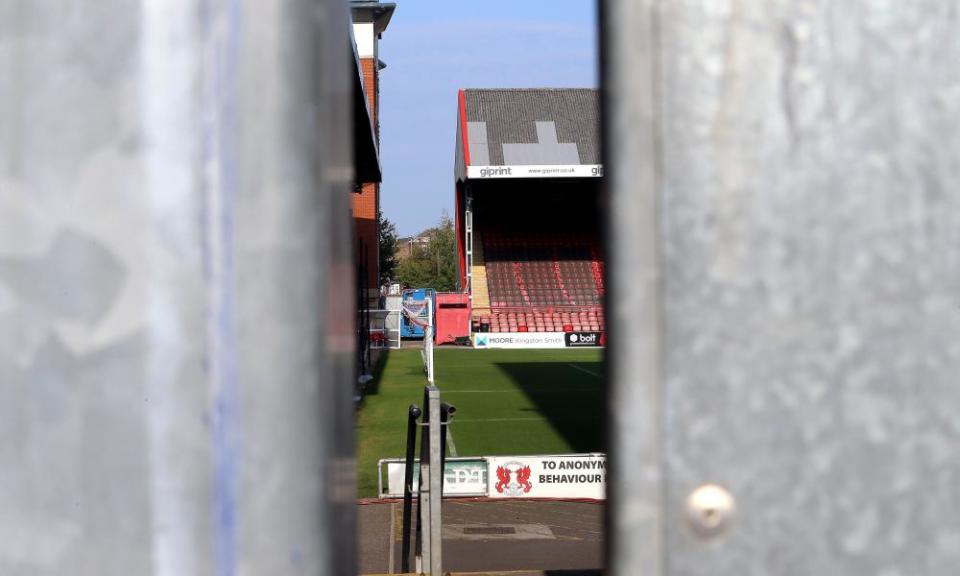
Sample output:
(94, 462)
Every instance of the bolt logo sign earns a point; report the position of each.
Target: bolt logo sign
(584, 339)
(513, 479)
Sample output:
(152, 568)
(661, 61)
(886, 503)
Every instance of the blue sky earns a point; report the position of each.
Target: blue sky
(432, 49)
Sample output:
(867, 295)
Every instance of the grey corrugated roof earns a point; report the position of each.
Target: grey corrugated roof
(517, 126)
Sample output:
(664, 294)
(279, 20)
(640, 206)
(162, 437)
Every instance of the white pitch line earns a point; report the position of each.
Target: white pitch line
(477, 391)
(452, 447)
(462, 420)
(513, 391)
(590, 372)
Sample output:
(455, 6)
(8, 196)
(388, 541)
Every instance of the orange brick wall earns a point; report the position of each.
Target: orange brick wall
(366, 202)
(369, 69)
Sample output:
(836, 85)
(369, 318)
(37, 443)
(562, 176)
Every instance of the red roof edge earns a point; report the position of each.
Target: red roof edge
(463, 128)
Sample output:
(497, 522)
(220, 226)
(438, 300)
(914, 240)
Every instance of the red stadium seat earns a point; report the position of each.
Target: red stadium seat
(542, 281)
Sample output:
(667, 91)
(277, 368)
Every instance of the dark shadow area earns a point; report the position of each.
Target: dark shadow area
(570, 395)
(373, 386)
(572, 572)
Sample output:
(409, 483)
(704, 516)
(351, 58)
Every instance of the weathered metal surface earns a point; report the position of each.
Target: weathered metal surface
(635, 484)
(175, 335)
(808, 254)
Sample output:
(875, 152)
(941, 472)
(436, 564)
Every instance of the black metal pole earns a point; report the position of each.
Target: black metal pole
(364, 330)
(360, 366)
(366, 311)
(424, 454)
(412, 414)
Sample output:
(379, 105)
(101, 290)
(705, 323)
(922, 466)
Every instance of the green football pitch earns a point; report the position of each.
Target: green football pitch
(509, 402)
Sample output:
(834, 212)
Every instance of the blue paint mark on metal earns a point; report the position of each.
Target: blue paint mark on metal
(220, 159)
(296, 559)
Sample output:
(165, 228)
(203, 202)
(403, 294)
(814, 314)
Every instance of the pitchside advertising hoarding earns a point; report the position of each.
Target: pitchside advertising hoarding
(518, 340)
(536, 171)
(571, 476)
(538, 339)
(552, 476)
(462, 477)
(584, 339)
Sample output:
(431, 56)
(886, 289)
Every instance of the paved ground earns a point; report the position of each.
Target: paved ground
(522, 537)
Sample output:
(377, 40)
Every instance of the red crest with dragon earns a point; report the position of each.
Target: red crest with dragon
(505, 479)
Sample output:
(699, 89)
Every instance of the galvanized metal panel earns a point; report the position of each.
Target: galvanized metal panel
(809, 255)
(635, 538)
(175, 335)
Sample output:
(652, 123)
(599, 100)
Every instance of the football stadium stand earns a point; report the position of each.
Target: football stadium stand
(527, 173)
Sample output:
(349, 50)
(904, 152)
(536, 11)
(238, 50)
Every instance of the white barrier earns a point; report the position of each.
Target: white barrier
(565, 476)
(518, 340)
(385, 323)
(484, 340)
(550, 476)
(461, 477)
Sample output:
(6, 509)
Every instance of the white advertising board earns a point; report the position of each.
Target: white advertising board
(536, 171)
(518, 340)
(567, 476)
(462, 477)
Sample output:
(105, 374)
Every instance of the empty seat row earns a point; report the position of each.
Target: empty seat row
(542, 282)
(507, 327)
(583, 321)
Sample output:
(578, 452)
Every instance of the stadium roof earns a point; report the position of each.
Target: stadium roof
(379, 13)
(366, 148)
(528, 133)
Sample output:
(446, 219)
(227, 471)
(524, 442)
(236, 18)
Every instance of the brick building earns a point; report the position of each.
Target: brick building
(370, 19)
(407, 245)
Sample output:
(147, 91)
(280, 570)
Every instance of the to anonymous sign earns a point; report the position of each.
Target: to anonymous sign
(560, 476)
(571, 476)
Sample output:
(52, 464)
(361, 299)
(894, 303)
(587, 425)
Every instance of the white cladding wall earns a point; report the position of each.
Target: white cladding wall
(366, 39)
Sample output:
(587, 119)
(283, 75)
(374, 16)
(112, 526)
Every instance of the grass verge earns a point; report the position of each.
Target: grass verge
(508, 402)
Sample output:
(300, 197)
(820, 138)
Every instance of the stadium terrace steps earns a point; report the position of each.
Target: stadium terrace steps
(542, 270)
(481, 298)
(540, 283)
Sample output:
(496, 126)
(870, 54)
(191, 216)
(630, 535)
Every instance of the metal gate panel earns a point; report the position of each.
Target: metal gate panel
(798, 341)
(176, 342)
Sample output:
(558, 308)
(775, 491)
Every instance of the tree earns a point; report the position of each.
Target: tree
(388, 248)
(443, 255)
(433, 265)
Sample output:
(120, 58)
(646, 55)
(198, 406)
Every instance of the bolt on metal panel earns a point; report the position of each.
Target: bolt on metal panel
(807, 252)
(175, 335)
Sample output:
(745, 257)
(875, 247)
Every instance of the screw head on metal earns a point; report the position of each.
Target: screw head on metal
(709, 510)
